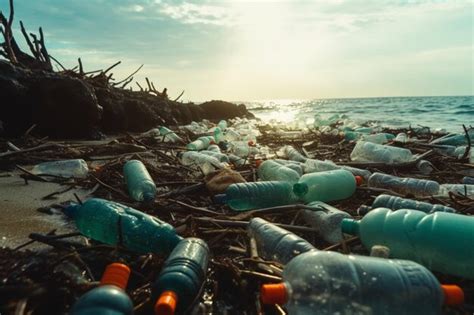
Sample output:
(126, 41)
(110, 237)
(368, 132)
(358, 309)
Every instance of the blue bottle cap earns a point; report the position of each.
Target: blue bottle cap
(221, 198)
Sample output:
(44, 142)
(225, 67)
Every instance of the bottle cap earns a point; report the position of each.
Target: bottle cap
(220, 198)
(300, 189)
(251, 143)
(71, 210)
(350, 226)
(273, 293)
(359, 180)
(148, 197)
(363, 210)
(453, 295)
(258, 162)
(116, 274)
(166, 304)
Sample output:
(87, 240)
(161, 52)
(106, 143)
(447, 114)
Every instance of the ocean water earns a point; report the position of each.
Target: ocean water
(448, 112)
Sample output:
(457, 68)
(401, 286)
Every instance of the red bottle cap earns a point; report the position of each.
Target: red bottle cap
(273, 293)
(258, 162)
(166, 304)
(453, 295)
(359, 180)
(116, 274)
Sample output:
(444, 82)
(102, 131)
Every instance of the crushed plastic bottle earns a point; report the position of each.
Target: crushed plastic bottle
(404, 185)
(327, 221)
(325, 186)
(331, 283)
(141, 186)
(110, 297)
(205, 162)
(270, 170)
(401, 137)
(275, 243)
(465, 190)
(293, 154)
(372, 152)
(396, 203)
(425, 167)
(181, 277)
(243, 149)
(219, 156)
(66, 168)
(200, 143)
(231, 135)
(440, 241)
(247, 196)
(214, 148)
(115, 224)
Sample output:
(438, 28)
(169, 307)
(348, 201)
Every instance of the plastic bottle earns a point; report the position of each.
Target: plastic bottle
(325, 186)
(364, 129)
(327, 221)
(454, 139)
(425, 167)
(214, 148)
(293, 154)
(243, 149)
(275, 243)
(350, 135)
(205, 162)
(322, 282)
(182, 277)
(396, 203)
(271, 170)
(465, 190)
(169, 135)
(379, 138)
(404, 185)
(372, 152)
(141, 186)
(219, 156)
(236, 160)
(66, 168)
(247, 196)
(231, 135)
(110, 297)
(200, 143)
(218, 135)
(401, 137)
(313, 165)
(440, 241)
(222, 125)
(295, 166)
(115, 224)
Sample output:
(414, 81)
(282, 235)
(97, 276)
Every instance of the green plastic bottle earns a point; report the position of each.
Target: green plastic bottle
(182, 277)
(112, 223)
(110, 297)
(200, 143)
(247, 196)
(325, 186)
(271, 170)
(140, 185)
(441, 241)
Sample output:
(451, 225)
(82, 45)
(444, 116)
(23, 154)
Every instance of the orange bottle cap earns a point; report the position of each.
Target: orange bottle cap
(251, 143)
(359, 180)
(273, 293)
(166, 304)
(116, 274)
(258, 162)
(453, 295)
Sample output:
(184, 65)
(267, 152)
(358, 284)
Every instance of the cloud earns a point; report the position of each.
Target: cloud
(190, 13)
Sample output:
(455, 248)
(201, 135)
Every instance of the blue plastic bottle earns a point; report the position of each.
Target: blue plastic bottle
(396, 203)
(110, 297)
(321, 282)
(115, 224)
(404, 185)
(440, 241)
(182, 277)
(275, 243)
(247, 196)
(141, 186)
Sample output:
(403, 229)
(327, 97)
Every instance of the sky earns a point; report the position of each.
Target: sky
(259, 50)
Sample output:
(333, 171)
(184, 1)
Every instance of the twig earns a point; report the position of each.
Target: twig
(130, 76)
(179, 96)
(112, 66)
(468, 148)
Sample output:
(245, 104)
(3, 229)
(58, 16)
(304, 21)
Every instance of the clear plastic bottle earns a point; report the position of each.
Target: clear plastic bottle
(372, 152)
(441, 241)
(110, 297)
(401, 137)
(115, 224)
(275, 243)
(270, 170)
(214, 148)
(247, 196)
(466, 180)
(169, 135)
(379, 138)
(313, 166)
(232, 135)
(219, 156)
(141, 186)
(454, 139)
(327, 221)
(293, 154)
(322, 282)
(396, 203)
(181, 277)
(404, 185)
(205, 162)
(200, 143)
(243, 149)
(66, 168)
(465, 190)
(325, 186)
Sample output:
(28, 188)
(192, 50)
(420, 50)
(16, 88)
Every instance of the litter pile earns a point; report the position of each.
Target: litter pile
(244, 217)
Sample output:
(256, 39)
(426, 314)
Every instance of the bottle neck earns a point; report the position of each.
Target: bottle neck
(350, 226)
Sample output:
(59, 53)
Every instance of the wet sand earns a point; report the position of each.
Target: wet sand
(18, 209)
